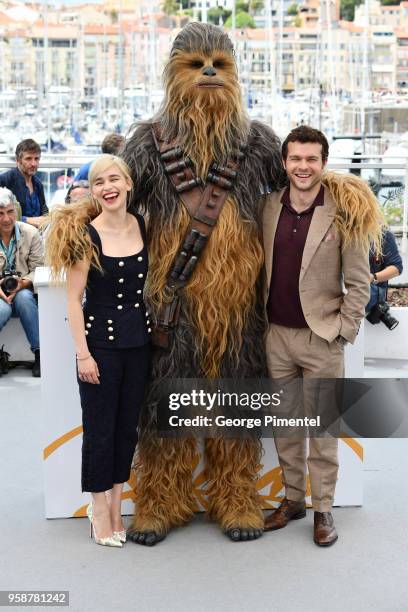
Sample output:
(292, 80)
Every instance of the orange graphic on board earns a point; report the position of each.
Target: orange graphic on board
(271, 479)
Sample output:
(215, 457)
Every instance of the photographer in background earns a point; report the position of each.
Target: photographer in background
(383, 268)
(76, 191)
(21, 251)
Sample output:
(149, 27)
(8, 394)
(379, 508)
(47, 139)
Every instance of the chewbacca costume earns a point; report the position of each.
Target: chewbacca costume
(221, 323)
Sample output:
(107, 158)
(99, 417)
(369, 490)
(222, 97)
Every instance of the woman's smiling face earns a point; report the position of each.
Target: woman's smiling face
(110, 189)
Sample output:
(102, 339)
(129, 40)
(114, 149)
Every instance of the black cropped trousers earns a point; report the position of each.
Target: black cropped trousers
(110, 415)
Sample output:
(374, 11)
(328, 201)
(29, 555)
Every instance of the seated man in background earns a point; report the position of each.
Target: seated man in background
(76, 191)
(26, 187)
(21, 251)
(383, 267)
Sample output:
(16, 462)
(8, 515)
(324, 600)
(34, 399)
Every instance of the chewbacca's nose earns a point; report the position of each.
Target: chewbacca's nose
(209, 71)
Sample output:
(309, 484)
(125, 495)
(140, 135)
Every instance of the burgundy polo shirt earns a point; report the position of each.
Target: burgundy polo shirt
(284, 307)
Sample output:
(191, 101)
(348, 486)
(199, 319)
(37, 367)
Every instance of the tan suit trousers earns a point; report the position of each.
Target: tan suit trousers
(300, 353)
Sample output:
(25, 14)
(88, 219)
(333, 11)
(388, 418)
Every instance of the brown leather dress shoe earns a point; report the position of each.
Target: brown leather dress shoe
(325, 533)
(287, 511)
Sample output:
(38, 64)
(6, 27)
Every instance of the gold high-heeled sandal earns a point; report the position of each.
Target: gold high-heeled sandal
(109, 541)
(120, 535)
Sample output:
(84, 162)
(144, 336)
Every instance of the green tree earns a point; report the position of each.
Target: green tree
(241, 6)
(114, 16)
(293, 9)
(256, 5)
(242, 20)
(170, 7)
(215, 14)
(347, 8)
(297, 21)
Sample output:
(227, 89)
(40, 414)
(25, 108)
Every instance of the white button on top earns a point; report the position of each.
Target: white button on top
(121, 264)
(147, 313)
(137, 305)
(111, 337)
(121, 280)
(140, 275)
(88, 325)
(120, 295)
(110, 328)
(119, 307)
(140, 258)
(139, 291)
(110, 321)
(91, 318)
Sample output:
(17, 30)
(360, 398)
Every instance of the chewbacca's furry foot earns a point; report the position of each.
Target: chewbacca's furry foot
(146, 538)
(243, 534)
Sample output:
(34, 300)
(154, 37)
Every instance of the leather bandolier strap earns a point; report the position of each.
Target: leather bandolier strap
(204, 203)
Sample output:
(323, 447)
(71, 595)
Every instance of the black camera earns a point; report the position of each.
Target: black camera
(381, 312)
(10, 281)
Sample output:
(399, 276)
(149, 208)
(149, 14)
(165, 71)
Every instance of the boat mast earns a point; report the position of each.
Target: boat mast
(280, 54)
(46, 76)
(272, 81)
(364, 80)
(204, 11)
(333, 104)
(120, 100)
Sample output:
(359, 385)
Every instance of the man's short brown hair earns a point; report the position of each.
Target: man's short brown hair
(304, 134)
(113, 143)
(27, 145)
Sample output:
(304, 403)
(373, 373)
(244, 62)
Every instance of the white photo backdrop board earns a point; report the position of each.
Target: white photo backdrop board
(62, 432)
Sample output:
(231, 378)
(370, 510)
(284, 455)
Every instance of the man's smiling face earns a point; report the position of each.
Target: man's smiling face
(304, 164)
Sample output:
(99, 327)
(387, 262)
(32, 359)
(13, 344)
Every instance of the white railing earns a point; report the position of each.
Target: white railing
(70, 162)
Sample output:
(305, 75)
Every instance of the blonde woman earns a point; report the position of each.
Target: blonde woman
(101, 248)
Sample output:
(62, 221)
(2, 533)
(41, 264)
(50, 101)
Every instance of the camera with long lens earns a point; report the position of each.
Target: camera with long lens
(10, 281)
(380, 312)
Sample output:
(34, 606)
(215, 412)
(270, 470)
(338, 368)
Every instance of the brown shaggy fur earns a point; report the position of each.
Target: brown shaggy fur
(222, 290)
(209, 121)
(359, 218)
(221, 317)
(232, 496)
(164, 494)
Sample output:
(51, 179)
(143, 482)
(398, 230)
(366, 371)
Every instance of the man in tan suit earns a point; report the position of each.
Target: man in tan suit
(311, 317)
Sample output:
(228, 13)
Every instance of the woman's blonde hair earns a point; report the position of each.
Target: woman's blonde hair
(68, 240)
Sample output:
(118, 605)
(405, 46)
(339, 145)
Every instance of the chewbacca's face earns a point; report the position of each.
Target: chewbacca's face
(203, 104)
(203, 78)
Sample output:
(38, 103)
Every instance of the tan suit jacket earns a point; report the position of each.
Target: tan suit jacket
(334, 283)
(29, 252)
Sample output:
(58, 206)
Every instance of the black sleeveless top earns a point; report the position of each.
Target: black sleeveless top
(114, 311)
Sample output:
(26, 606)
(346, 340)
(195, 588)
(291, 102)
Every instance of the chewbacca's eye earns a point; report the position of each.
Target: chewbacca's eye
(196, 64)
(218, 64)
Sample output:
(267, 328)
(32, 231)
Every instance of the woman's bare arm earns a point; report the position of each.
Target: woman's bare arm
(76, 283)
